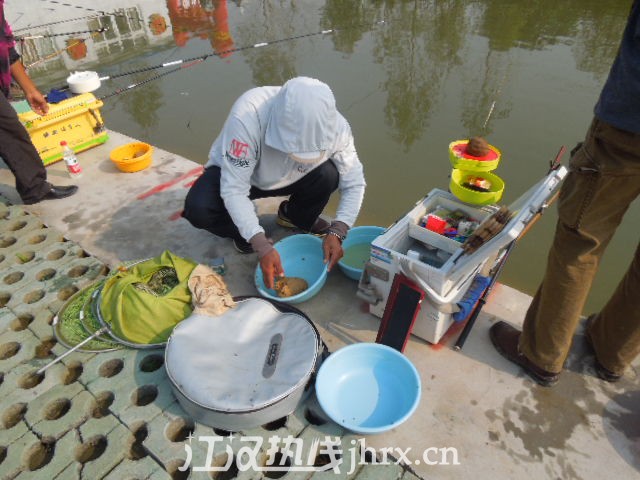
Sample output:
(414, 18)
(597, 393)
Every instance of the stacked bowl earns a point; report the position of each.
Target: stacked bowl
(471, 178)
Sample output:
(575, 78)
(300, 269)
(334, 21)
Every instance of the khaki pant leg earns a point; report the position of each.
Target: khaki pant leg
(604, 179)
(616, 330)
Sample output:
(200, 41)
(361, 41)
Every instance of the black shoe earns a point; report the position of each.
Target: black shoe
(242, 246)
(506, 339)
(602, 372)
(319, 228)
(60, 192)
(54, 193)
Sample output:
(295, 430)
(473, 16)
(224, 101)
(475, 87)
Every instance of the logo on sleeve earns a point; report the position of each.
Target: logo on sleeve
(238, 149)
(237, 153)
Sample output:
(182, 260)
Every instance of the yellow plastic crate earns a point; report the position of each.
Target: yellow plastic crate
(76, 120)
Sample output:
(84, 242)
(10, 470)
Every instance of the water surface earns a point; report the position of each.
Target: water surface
(523, 74)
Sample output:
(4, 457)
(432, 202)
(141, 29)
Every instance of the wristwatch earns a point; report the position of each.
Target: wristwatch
(340, 237)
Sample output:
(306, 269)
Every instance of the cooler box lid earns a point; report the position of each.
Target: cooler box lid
(523, 211)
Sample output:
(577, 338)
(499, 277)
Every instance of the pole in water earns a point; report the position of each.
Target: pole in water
(484, 125)
(493, 103)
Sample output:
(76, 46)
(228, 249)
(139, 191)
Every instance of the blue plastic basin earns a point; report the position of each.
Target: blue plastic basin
(357, 242)
(301, 256)
(368, 387)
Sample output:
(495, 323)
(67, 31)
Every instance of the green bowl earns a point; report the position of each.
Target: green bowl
(463, 161)
(469, 195)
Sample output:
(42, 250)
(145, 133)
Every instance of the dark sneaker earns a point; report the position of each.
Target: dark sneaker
(319, 228)
(602, 372)
(506, 338)
(242, 246)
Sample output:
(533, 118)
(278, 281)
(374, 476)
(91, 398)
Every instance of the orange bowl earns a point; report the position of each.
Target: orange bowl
(132, 157)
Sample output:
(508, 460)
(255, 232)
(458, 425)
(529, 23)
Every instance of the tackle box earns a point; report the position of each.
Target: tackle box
(444, 282)
(76, 120)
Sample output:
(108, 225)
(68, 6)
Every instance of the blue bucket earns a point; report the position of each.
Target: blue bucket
(357, 248)
(301, 256)
(368, 387)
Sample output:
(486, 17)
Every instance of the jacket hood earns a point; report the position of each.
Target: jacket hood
(303, 119)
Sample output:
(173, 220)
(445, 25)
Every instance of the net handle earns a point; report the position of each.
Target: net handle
(86, 340)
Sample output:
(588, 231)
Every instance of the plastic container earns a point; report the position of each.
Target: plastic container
(357, 250)
(475, 197)
(463, 161)
(445, 285)
(132, 157)
(76, 120)
(368, 387)
(301, 256)
(73, 166)
(83, 82)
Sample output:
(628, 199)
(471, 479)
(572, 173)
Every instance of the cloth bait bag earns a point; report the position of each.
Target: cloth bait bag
(251, 365)
(143, 303)
(209, 294)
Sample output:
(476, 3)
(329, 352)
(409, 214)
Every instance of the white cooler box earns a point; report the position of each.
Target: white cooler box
(446, 284)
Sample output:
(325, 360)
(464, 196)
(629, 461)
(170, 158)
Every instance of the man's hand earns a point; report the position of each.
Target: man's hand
(38, 102)
(332, 248)
(271, 267)
(32, 94)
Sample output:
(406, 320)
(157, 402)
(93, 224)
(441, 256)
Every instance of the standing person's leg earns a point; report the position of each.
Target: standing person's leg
(18, 152)
(615, 331)
(601, 185)
(308, 197)
(205, 209)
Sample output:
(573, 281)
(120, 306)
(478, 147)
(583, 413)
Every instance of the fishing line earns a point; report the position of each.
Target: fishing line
(362, 99)
(189, 62)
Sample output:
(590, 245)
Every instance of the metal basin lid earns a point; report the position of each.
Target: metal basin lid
(244, 360)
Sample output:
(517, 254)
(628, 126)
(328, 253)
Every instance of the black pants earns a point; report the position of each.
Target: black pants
(18, 152)
(205, 209)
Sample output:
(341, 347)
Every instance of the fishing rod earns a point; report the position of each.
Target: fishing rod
(79, 7)
(22, 38)
(68, 47)
(224, 52)
(70, 20)
(189, 62)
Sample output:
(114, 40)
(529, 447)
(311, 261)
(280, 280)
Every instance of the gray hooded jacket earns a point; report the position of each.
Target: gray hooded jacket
(268, 127)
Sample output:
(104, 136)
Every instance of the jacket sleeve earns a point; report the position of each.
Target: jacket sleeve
(240, 151)
(352, 183)
(14, 56)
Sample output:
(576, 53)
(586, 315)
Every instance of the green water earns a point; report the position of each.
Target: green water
(526, 75)
(357, 255)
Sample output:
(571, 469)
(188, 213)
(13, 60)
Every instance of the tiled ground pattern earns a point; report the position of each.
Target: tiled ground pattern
(111, 414)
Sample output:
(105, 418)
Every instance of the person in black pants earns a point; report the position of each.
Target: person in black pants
(16, 148)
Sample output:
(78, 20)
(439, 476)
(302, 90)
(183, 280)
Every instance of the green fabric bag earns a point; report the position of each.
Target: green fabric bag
(144, 303)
